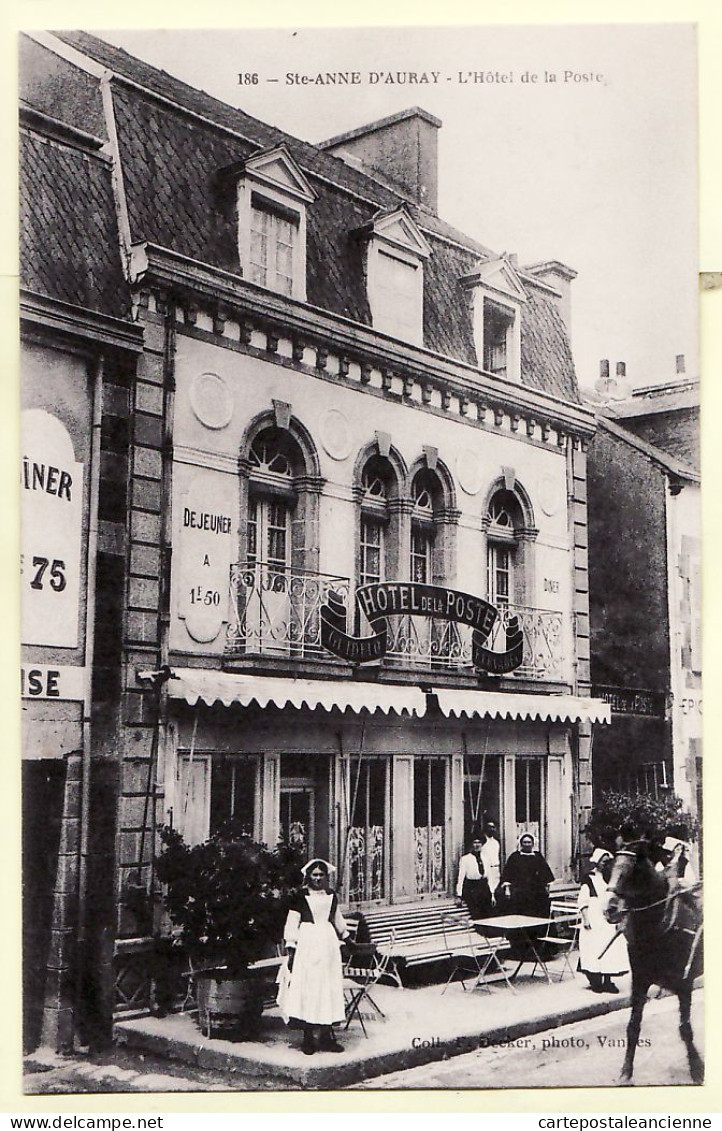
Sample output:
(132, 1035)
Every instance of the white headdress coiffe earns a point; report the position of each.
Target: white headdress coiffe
(312, 863)
(599, 855)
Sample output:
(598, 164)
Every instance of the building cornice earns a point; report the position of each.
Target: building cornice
(153, 264)
(78, 322)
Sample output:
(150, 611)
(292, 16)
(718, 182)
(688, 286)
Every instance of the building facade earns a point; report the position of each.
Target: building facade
(645, 588)
(79, 347)
(355, 579)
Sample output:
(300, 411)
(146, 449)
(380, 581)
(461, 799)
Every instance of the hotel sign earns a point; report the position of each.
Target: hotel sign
(633, 701)
(398, 598)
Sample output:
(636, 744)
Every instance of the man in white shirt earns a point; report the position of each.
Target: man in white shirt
(491, 855)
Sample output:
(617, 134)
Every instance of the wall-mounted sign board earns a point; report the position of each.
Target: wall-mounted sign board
(51, 484)
(52, 681)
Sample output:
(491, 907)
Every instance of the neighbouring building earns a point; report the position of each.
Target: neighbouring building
(78, 350)
(349, 559)
(645, 585)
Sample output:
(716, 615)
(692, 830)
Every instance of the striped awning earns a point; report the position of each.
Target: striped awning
(201, 685)
(510, 705)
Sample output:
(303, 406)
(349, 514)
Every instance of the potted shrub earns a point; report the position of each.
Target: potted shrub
(228, 898)
(658, 816)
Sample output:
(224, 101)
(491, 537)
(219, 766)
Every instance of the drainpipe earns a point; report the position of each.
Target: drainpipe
(91, 570)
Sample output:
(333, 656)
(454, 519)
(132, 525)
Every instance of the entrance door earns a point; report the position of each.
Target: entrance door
(298, 815)
(482, 792)
(529, 801)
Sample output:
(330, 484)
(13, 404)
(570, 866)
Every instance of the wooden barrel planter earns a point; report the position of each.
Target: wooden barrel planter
(230, 1006)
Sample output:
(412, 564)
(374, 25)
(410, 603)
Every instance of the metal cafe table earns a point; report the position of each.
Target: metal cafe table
(521, 929)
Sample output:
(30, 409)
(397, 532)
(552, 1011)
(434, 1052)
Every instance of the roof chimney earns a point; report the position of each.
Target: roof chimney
(680, 363)
(403, 149)
(560, 277)
(621, 369)
(604, 369)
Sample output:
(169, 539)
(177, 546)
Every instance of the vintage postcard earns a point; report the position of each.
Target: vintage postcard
(361, 558)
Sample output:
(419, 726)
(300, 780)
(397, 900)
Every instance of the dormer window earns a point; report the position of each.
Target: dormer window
(497, 297)
(272, 198)
(395, 256)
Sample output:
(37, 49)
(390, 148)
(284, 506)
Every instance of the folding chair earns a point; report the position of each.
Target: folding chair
(563, 934)
(360, 979)
(471, 954)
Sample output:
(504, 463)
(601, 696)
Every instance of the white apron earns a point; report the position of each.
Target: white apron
(313, 992)
(594, 939)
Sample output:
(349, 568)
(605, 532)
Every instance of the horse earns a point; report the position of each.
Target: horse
(662, 921)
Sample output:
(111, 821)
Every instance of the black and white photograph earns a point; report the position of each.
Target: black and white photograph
(361, 554)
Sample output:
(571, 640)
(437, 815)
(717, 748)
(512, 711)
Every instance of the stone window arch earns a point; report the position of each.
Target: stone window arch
(433, 525)
(381, 529)
(280, 491)
(510, 535)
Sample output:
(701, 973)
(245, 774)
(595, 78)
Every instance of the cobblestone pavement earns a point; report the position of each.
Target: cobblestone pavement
(121, 1071)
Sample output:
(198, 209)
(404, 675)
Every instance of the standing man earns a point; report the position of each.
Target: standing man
(491, 856)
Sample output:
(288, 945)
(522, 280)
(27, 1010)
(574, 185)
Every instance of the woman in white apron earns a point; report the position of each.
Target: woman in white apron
(596, 961)
(312, 990)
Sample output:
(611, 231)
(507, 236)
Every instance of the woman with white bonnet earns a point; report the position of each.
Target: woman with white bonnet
(596, 961)
(313, 993)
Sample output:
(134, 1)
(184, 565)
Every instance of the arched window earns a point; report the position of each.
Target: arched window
(271, 499)
(376, 485)
(277, 582)
(427, 499)
(504, 520)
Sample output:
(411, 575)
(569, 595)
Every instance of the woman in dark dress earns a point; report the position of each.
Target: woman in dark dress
(472, 885)
(525, 880)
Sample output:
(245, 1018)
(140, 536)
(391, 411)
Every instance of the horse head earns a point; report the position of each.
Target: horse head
(634, 883)
(620, 888)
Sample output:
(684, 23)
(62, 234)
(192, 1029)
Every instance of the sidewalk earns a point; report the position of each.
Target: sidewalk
(421, 1026)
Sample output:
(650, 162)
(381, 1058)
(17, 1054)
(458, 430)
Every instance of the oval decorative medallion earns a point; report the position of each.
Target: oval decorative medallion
(336, 434)
(211, 400)
(550, 494)
(470, 471)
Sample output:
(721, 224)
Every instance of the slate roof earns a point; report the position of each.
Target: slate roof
(69, 247)
(176, 199)
(665, 460)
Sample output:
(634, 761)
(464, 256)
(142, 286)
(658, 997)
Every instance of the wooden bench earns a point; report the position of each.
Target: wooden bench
(419, 935)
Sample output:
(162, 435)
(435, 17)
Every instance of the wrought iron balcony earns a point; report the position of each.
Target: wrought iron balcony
(425, 643)
(276, 611)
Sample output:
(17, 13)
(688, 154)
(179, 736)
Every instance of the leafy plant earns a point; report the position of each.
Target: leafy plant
(655, 817)
(228, 896)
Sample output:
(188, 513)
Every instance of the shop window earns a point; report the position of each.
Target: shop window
(368, 841)
(233, 793)
(529, 799)
(430, 825)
